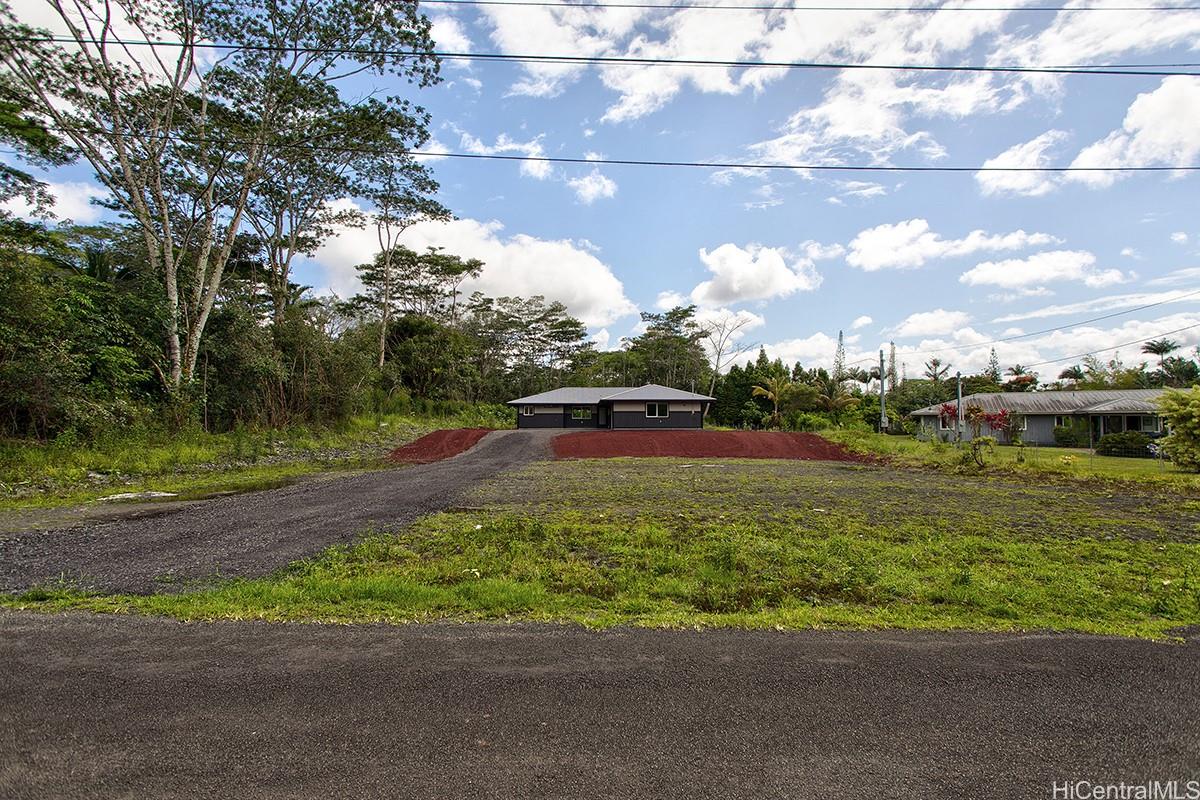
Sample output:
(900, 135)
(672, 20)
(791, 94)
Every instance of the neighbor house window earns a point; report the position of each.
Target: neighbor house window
(658, 410)
(1151, 424)
(945, 424)
(581, 413)
(526, 411)
(1060, 422)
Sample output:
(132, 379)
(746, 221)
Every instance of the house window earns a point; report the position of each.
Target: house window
(1151, 424)
(581, 413)
(1060, 422)
(526, 411)
(658, 410)
(945, 424)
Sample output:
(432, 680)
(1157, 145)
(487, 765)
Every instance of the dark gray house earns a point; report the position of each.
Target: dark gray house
(649, 406)
(1091, 413)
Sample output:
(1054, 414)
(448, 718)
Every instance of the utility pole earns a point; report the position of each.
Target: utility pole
(883, 420)
(958, 419)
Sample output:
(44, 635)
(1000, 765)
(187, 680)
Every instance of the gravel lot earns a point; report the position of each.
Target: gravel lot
(254, 533)
(95, 706)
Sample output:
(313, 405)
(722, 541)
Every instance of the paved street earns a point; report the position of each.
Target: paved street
(117, 706)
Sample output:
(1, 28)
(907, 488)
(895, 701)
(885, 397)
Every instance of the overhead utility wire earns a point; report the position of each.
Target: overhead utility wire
(1114, 347)
(703, 6)
(1147, 70)
(628, 161)
(1075, 324)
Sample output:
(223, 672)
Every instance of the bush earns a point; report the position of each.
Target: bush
(1181, 410)
(1131, 444)
(805, 421)
(1066, 437)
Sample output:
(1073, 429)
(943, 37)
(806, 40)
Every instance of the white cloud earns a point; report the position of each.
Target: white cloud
(518, 265)
(449, 36)
(1179, 237)
(910, 244)
(931, 323)
(668, 300)
(1184, 275)
(592, 187)
(541, 170)
(1108, 303)
(856, 190)
(1040, 268)
(1159, 129)
(602, 339)
(1031, 154)
(753, 272)
(1131, 252)
(861, 322)
(72, 201)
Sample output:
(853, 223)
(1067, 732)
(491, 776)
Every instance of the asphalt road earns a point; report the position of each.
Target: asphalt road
(94, 706)
(253, 533)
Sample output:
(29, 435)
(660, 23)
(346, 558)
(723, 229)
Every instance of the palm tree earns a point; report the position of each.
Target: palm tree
(935, 371)
(776, 389)
(1161, 348)
(1016, 371)
(833, 399)
(1074, 374)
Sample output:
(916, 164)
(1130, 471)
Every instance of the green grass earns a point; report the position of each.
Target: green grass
(1054, 461)
(670, 542)
(39, 475)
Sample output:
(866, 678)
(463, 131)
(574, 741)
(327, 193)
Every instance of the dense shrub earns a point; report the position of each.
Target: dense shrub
(805, 421)
(1066, 437)
(1131, 444)
(1181, 410)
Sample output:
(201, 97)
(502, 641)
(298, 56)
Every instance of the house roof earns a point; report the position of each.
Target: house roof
(591, 395)
(1089, 401)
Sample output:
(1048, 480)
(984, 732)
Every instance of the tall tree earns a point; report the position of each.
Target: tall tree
(1161, 348)
(993, 367)
(721, 333)
(892, 375)
(181, 141)
(839, 359)
(935, 370)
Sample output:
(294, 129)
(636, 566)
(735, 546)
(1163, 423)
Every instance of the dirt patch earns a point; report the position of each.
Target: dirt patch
(703, 444)
(438, 445)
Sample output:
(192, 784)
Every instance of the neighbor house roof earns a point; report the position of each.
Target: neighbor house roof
(1089, 401)
(591, 395)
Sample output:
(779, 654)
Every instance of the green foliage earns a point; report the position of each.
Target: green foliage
(1130, 444)
(1181, 411)
(1066, 436)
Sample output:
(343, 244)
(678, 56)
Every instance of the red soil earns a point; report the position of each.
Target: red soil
(438, 445)
(702, 444)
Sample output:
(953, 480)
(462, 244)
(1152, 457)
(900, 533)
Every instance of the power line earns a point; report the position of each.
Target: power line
(1075, 324)
(1142, 70)
(705, 7)
(1114, 347)
(630, 162)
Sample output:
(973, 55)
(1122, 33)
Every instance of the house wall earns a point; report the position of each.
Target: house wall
(1039, 430)
(543, 417)
(681, 415)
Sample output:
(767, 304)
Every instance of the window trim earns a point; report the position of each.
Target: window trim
(581, 413)
(665, 408)
(527, 411)
(942, 426)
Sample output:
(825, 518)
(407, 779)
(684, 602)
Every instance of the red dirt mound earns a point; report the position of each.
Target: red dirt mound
(438, 445)
(702, 444)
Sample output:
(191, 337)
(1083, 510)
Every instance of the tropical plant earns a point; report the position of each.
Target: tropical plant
(935, 370)
(832, 398)
(775, 389)
(1181, 411)
(1074, 374)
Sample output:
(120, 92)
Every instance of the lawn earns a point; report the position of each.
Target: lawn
(194, 464)
(1061, 462)
(670, 542)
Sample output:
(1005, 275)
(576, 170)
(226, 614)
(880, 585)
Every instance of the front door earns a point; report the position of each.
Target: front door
(602, 417)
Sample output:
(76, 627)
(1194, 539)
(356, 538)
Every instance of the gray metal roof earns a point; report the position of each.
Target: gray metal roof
(1087, 401)
(591, 395)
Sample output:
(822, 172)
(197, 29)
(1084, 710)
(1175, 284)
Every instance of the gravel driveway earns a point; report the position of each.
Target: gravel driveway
(256, 533)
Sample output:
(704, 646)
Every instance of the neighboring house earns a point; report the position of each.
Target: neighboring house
(649, 406)
(1091, 413)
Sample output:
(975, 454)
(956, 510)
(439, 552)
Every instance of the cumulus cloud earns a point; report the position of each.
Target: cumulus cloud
(1040, 268)
(1159, 129)
(911, 243)
(449, 36)
(73, 200)
(593, 186)
(1035, 153)
(1179, 237)
(753, 272)
(861, 322)
(541, 170)
(518, 264)
(931, 323)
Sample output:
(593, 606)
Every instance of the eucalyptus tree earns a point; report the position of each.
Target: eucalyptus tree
(178, 106)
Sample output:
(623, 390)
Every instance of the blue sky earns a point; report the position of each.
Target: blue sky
(931, 261)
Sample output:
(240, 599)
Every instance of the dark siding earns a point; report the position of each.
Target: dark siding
(638, 419)
(567, 422)
(540, 421)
